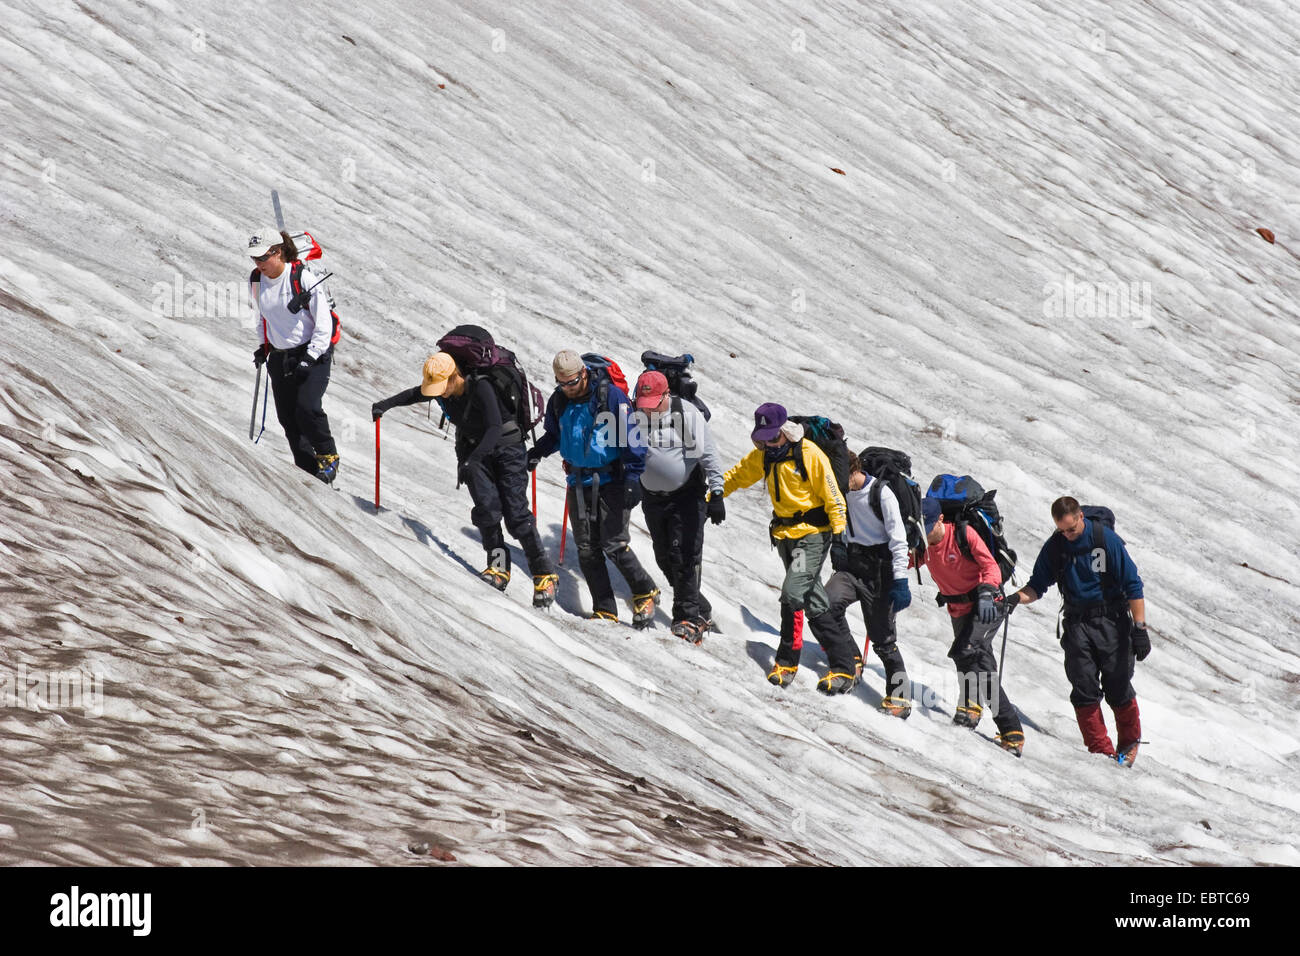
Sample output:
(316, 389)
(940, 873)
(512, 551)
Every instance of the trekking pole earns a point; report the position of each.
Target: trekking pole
(564, 527)
(266, 393)
(1002, 662)
(252, 417)
(376, 466)
(534, 495)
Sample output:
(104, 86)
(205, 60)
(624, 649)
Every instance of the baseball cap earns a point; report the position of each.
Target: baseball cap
(567, 365)
(437, 369)
(262, 241)
(930, 511)
(768, 419)
(651, 388)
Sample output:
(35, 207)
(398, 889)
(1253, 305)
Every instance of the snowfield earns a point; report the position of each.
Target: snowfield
(1014, 239)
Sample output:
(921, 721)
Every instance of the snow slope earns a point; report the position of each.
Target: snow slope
(289, 677)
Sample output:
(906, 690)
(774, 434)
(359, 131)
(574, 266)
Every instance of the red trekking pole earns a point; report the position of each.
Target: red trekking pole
(376, 466)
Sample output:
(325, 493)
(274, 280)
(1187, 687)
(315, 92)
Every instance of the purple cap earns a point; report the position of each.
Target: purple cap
(930, 511)
(768, 419)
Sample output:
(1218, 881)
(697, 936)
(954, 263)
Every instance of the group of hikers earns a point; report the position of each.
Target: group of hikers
(650, 444)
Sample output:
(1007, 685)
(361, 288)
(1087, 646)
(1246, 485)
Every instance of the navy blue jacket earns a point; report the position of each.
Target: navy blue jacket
(1081, 582)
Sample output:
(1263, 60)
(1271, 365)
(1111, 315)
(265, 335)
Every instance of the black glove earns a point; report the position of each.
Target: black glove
(716, 510)
(462, 474)
(377, 411)
(632, 493)
(259, 357)
(839, 554)
(532, 458)
(1012, 601)
(988, 612)
(1141, 641)
(303, 368)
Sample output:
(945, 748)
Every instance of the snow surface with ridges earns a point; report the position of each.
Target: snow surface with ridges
(291, 678)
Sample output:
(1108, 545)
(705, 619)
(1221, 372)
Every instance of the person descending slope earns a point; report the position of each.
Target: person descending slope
(969, 587)
(807, 510)
(871, 568)
(681, 464)
(588, 420)
(491, 461)
(294, 333)
(1105, 621)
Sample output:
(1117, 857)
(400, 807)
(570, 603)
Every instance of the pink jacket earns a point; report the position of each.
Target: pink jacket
(954, 573)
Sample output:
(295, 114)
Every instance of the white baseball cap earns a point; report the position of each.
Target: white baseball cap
(261, 242)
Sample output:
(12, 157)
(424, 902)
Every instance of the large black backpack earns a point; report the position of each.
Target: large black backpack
(677, 370)
(964, 501)
(893, 469)
(829, 437)
(477, 355)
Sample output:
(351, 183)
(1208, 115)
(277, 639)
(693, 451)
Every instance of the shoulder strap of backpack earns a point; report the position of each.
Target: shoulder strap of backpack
(295, 276)
(873, 498)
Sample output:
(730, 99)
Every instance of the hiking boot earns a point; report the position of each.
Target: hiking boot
(327, 468)
(781, 676)
(643, 609)
(544, 586)
(968, 715)
(495, 577)
(1013, 742)
(1128, 755)
(899, 707)
(836, 682)
(687, 631)
(603, 616)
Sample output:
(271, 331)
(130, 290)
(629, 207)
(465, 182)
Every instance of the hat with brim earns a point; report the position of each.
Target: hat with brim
(263, 241)
(651, 388)
(768, 419)
(930, 512)
(438, 368)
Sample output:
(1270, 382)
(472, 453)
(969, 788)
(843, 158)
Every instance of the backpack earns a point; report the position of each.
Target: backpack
(965, 502)
(893, 469)
(676, 368)
(1099, 516)
(605, 370)
(295, 281)
(477, 355)
(829, 437)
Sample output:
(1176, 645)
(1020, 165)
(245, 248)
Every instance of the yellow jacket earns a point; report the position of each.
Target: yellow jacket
(790, 492)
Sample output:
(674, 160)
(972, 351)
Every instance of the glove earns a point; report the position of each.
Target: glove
(716, 510)
(988, 612)
(303, 368)
(1141, 641)
(462, 474)
(377, 411)
(839, 554)
(900, 595)
(1012, 601)
(632, 493)
(532, 458)
(259, 356)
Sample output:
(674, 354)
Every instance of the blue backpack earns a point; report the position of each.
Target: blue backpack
(965, 503)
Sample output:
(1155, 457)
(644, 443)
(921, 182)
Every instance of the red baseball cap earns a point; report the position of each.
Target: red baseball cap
(651, 388)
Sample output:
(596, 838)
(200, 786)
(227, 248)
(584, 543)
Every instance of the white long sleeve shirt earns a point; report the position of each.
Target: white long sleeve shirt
(866, 529)
(282, 328)
(672, 454)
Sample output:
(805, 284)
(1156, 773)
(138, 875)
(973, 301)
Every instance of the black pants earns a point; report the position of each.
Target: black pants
(498, 485)
(298, 405)
(1099, 658)
(977, 669)
(600, 530)
(868, 581)
(676, 524)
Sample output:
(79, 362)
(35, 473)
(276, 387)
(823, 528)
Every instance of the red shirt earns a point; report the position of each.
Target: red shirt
(954, 573)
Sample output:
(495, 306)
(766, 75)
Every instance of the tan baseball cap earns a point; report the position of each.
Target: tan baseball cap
(438, 368)
(567, 364)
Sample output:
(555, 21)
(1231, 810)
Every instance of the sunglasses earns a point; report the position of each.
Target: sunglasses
(260, 259)
(571, 382)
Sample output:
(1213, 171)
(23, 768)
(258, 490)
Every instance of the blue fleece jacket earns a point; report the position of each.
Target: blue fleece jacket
(1082, 582)
(593, 439)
